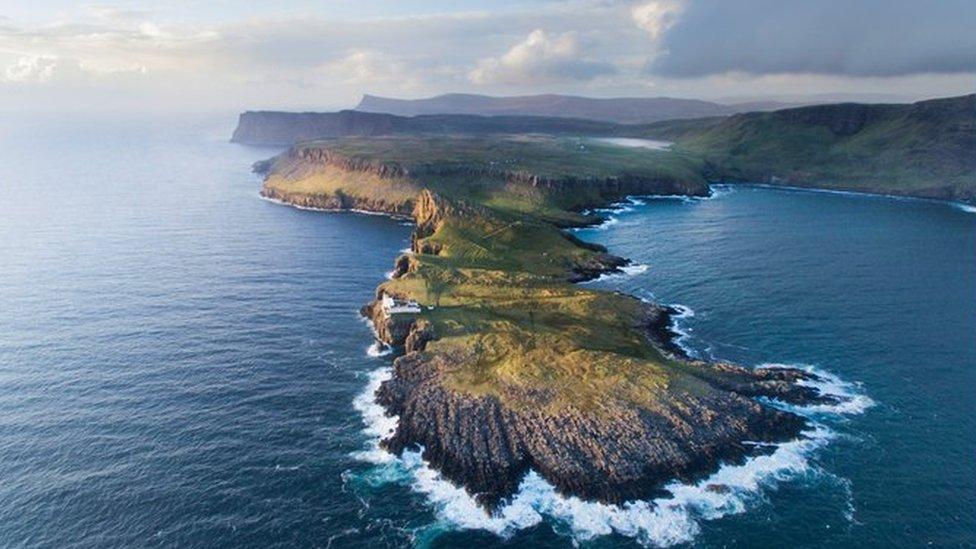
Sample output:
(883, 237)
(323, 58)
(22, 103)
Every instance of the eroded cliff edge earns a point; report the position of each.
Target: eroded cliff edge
(509, 366)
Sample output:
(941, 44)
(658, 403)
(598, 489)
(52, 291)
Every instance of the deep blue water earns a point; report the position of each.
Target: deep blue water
(179, 360)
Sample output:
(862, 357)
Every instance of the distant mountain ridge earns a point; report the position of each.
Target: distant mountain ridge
(622, 110)
(286, 128)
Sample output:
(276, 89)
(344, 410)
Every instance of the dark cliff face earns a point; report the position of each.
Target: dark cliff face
(287, 128)
(618, 456)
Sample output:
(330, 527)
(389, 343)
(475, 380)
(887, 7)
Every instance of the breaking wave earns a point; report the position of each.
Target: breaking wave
(378, 349)
(682, 333)
(631, 202)
(850, 399)
(627, 270)
(661, 522)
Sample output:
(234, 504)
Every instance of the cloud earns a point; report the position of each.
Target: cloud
(540, 58)
(43, 69)
(657, 16)
(39, 68)
(104, 55)
(834, 37)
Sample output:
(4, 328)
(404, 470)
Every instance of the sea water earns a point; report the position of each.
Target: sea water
(182, 364)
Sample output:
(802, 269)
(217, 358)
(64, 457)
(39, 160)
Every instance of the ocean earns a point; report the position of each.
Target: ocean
(182, 364)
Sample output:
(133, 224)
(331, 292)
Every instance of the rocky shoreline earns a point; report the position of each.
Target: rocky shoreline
(697, 415)
(481, 445)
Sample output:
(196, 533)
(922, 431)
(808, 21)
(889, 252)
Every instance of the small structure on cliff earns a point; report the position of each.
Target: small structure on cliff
(393, 306)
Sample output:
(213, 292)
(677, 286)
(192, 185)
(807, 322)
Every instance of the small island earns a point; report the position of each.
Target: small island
(507, 365)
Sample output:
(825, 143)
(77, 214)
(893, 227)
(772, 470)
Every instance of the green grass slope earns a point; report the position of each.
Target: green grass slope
(925, 149)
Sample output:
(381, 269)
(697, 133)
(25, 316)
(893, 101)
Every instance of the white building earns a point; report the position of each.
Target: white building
(392, 306)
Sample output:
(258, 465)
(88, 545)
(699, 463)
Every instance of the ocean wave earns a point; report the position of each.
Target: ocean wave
(608, 222)
(632, 270)
(965, 207)
(378, 349)
(379, 426)
(665, 521)
(718, 190)
(627, 270)
(850, 399)
(682, 332)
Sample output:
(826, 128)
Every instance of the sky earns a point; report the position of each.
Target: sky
(303, 54)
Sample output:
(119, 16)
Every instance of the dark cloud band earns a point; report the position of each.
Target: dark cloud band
(852, 37)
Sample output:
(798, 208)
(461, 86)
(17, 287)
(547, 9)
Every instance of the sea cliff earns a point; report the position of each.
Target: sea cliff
(509, 366)
(925, 149)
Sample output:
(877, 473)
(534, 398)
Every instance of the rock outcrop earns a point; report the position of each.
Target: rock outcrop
(617, 456)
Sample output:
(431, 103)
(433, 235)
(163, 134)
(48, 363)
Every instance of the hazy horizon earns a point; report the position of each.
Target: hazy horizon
(299, 54)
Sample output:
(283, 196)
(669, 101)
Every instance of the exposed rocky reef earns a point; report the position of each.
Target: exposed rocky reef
(616, 456)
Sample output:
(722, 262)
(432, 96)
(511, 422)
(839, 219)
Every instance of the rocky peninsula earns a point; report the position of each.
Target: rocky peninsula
(509, 365)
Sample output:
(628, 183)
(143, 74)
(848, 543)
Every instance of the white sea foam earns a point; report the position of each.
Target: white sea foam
(636, 269)
(378, 425)
(661, 522)
(682, 332)
(851, 401)
(627, 270)
(378, 349)
(717, 191)
(678, 197)
(965, 207)
(606, 224)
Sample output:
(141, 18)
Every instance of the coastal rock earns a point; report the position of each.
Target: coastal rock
(616, 456)
(336, 202)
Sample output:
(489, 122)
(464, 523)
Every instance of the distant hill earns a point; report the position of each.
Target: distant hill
(925, 149)
(285, 128)
(623, 110)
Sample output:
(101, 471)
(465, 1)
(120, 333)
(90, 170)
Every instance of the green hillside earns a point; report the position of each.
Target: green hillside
(925, 149)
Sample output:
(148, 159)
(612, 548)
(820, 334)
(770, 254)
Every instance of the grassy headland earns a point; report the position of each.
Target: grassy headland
(511, 366)
(925, 149)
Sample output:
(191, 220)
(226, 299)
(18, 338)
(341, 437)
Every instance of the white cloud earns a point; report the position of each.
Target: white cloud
(42, 68)
(593, 47)
(657, 16)
(372, 69)
(26, 69)
(540, 58)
